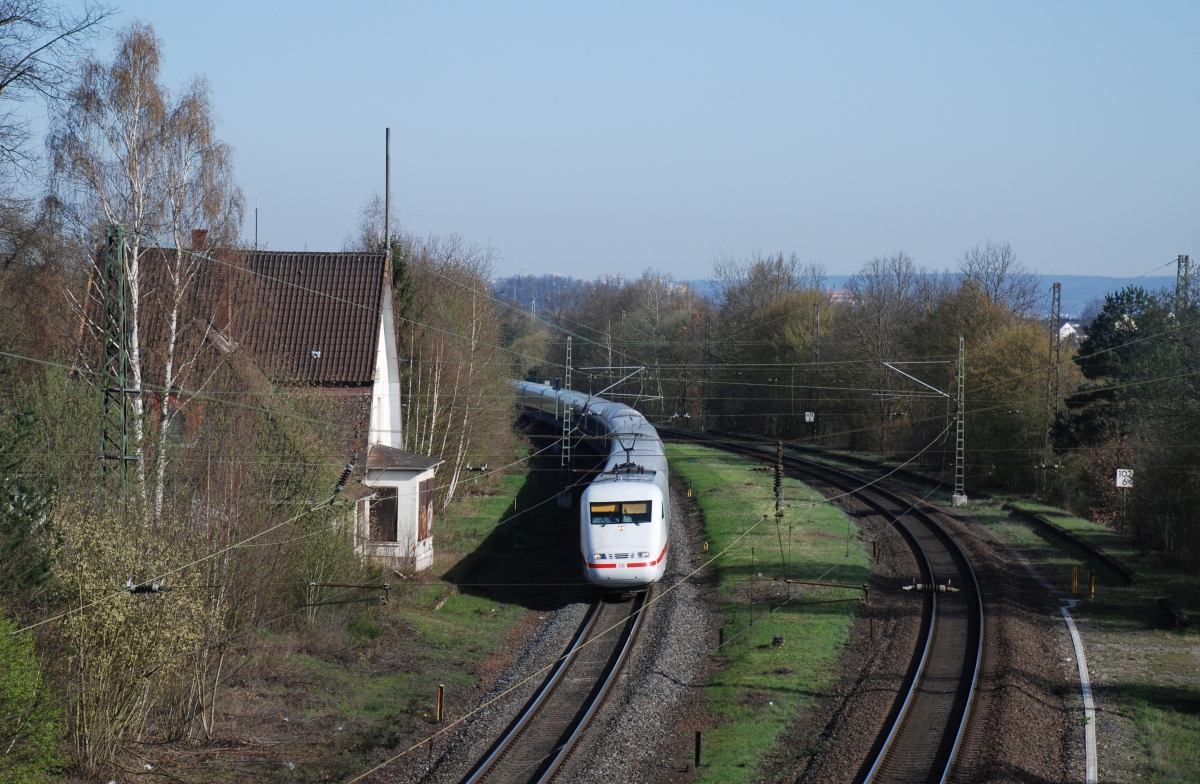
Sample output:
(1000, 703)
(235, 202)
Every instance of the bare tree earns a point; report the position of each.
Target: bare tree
(38, 42)
(199, 190)
(1000, 276)
(126, 151)
(107, 162)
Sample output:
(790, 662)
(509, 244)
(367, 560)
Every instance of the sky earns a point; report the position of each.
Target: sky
(583, 139)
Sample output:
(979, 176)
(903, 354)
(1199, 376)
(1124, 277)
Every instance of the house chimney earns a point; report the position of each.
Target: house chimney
(199, 239)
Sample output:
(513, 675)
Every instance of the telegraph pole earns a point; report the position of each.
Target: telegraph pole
(960, 493)
(114, 382)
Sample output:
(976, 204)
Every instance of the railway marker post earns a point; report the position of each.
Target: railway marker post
(441, 693)
(1091, 585)
(699, 737)
(1074, 579)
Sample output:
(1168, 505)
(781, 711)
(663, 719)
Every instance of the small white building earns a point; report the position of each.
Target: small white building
(394, 524)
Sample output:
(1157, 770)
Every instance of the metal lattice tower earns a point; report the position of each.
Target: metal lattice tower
(567, 422)
(1054, 376)
(813, 376)
(960, 492)
(1183, 284)
(114, 378)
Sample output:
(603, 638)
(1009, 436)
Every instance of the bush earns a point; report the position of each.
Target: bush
(29, 727)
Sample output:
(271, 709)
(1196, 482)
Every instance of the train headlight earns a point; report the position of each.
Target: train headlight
(643, 554)
(597, 556)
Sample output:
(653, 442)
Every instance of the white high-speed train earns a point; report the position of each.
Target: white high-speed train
(625, 512)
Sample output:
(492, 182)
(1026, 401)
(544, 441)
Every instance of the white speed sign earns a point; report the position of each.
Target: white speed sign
(1124, 477)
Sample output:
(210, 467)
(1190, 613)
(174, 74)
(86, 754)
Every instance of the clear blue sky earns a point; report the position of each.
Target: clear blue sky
(610, 137)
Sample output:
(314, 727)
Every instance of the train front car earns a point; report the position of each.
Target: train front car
(625, 512)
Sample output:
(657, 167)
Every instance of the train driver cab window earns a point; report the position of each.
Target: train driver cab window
(636, 512)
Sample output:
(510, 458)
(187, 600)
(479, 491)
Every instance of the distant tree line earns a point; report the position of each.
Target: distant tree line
(876, 364)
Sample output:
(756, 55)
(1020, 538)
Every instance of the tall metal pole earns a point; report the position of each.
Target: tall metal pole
(960, 492)
(566, 422)
(1054, 375)
(1183, 281)
(814, 374)
(387, 193)
(114, 382)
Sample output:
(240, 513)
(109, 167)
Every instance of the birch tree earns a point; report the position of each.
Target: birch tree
(127, 151)
(107, 156)
(199, 190)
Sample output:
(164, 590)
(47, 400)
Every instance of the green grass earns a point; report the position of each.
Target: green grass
(1125, 629)
(760, 689)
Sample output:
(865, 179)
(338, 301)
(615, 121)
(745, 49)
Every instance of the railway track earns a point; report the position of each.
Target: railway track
(925, 727)
(538, 741)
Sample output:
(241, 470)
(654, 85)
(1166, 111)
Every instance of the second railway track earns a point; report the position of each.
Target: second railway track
(925, 728)
(538, 741)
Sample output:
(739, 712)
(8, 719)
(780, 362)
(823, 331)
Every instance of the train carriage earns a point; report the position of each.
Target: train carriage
(625, 511)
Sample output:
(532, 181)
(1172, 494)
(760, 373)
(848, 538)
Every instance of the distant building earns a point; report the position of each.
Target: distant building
(841, 295)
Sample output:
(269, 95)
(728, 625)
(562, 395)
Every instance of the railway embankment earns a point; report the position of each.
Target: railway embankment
(1145, 672)
(356, 684)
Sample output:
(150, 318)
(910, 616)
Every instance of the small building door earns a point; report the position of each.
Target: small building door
(425, 511)
(383, 515)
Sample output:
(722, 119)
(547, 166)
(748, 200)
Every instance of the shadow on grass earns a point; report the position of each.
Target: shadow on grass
(531, 558)
(1174, 698)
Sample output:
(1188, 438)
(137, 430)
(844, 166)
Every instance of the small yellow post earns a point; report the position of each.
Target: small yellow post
(441, 690)
(1074, 579)
(1091, 585)
(689, 492)
(706, 547)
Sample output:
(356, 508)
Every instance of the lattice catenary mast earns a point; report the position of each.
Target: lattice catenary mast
(114, 374)
(960, 493)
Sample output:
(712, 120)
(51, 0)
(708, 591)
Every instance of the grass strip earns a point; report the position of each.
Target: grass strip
(760, 688)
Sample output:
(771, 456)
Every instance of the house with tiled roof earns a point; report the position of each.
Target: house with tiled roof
(325, 321)
(322, 323)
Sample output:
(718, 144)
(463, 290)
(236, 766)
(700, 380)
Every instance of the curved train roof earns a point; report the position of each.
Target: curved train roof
(625, 427)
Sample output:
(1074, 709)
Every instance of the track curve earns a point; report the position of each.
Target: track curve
(924, 732)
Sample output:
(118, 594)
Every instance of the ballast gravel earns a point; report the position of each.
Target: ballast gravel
(664, 677)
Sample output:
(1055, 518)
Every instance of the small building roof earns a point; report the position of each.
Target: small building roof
(382, 457)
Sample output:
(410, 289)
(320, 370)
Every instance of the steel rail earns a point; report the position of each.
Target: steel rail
(544, 769)
(480, 771)
(863, 490)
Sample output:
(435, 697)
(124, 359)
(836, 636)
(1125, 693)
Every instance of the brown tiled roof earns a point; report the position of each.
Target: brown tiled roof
(278, 308)
(314, 317)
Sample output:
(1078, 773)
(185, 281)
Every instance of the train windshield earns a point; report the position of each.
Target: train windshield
(636, 512)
